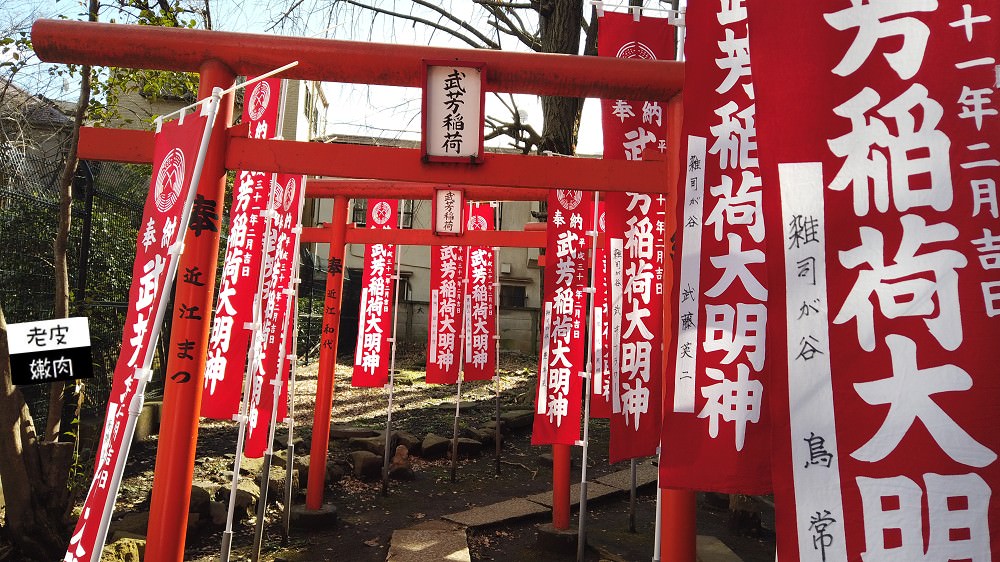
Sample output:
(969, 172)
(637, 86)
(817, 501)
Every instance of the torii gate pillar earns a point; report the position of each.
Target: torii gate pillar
(174, 469)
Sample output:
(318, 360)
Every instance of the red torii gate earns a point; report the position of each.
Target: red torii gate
(220, 56)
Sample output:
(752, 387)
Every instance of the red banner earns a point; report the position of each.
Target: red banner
(632, 126)
(480, 343)
(447, 298)
(279, 276)
(175, 154)
(371, 357)
(230, 338)
(635, 229)
(557, 402)
(716, 425)
(878, 132)
(600, 335)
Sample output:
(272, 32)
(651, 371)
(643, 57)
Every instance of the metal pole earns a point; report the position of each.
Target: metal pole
(277, 382)
(454, 429)
(464, 339)
(631, 495)
(327, 355)
(581, 540)
(657, 533)
(241, 416)
(392, 377)
(290, 452)
(135, 407)
(496, 344)
(174, 469)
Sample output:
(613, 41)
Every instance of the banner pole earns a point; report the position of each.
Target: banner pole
(632, 495)
(657, 532)
(293, 360)
(241, 416)
(454, 429)
(392, 375)
(581, 539)
(498, 435)
(146, 373)
(278, 381)
(464, 338)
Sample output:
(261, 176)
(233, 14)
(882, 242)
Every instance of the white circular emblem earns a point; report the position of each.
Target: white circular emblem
(635, 50)
(257, 103)
(600, 221)
(288, 195)
(569, 198)
(277, 194)
(169, 180)
(477, 222)
(381, 213)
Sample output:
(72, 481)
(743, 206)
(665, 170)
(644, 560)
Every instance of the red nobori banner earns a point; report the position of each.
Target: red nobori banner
(716, 424)
(634, 248)
(600, 397)
(175, 154)
(279, 284)
(447, 297)
(289, 349)
(560, 388)
(635, 228)
(600, 334)
(631, 126)
(878, 132)
(230, 339)
(371, 357)
(480, 341)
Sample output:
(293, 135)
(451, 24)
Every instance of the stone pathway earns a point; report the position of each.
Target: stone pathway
(446, 540)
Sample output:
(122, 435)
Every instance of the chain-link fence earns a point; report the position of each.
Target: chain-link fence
(107, 208)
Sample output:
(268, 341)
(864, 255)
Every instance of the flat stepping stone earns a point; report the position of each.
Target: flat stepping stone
(711, 549)
(429, 546)
(349, 431)
(595, 490)
(497, 513)
(645, 474)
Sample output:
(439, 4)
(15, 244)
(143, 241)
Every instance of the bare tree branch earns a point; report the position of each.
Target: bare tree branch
(454, 33)
(517, 30)
(460, 22)
(287, 14)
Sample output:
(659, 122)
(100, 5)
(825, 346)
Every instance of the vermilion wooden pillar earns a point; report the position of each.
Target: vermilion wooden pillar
(327, 356)
(560, 486)
(190, 323)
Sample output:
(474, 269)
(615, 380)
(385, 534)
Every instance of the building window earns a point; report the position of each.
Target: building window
(406, 209)
(359, 212)
(513, 296)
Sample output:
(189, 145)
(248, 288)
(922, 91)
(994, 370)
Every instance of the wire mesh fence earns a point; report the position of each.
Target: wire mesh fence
(107, 208)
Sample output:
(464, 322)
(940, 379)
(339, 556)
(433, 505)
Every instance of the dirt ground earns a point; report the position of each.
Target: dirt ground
(367, 518)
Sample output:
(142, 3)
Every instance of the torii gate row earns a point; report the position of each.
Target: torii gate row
(219, 57)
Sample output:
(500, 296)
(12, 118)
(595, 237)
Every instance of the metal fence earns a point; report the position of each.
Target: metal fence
(107, 209)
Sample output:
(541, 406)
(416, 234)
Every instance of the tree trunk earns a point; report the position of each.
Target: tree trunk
(34, 505)
(60, 247)
(559, 25)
